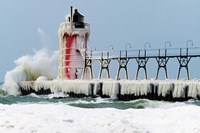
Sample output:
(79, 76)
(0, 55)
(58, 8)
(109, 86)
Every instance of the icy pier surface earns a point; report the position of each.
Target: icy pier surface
(121, 89)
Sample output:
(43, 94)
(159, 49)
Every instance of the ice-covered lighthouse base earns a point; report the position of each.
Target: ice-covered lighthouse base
(169, 90)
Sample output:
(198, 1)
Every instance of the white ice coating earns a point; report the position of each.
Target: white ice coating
(112, 87)
(135, 87)
(79, 44)
(65, 86)
(194, 89)
(97, 86)
(165, 88)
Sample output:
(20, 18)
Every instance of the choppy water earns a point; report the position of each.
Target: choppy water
(33, 113)
(90, 102)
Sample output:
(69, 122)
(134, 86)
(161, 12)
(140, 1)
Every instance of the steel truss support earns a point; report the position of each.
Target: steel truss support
(87, 66)
(162, 63)
(104, 65)
(141, 61)
(123, 62)
(183, 63)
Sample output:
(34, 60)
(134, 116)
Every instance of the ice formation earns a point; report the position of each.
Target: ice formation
(73, 37)
(112, 88)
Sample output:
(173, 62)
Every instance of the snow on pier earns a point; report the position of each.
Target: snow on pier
(120, 89)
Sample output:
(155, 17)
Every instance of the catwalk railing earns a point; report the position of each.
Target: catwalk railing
(162, 56)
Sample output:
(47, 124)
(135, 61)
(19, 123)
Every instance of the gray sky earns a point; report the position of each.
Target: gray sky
(113, 22)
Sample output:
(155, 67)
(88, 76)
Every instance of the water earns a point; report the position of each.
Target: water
(53, 113)
(79, 102)
(88, 102)
(91, 102)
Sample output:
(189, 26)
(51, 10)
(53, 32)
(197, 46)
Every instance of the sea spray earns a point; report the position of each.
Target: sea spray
(29, 68)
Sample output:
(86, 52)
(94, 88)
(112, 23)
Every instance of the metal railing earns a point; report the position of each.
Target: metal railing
(150, 53)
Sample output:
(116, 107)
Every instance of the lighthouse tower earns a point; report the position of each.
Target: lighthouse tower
(73, 37)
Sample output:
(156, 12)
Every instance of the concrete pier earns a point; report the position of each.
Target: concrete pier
(168, 90)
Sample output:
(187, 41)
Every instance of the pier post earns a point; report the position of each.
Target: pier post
(162, 63)
(184, 60)
(183, 63)
(104, 65)
(87, 66)
(141, 61)
(123, 62)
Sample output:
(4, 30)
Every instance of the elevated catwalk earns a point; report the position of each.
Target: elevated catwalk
(169, 90)
(182, 56)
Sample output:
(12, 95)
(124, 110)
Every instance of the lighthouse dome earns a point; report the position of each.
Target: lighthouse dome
(78, 19)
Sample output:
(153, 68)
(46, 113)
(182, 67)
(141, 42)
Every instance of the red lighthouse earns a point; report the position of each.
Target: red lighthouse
(73, 36)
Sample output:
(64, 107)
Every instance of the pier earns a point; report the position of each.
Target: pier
(126, 89)
(167, 90)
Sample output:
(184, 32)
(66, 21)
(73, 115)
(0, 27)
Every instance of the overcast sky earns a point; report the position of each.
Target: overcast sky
(32, 24)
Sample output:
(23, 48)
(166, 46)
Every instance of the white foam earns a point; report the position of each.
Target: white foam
(57, 95)
(30, 67)
(60, 117)
(42, 78)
